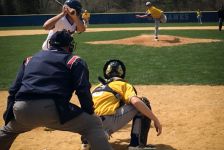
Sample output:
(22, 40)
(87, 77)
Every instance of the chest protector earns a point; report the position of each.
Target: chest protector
(105, 87)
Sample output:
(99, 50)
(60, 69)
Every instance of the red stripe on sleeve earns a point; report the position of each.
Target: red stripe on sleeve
(71, 61)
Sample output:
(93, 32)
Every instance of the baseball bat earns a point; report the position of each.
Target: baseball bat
(58, 2)
(62, 5)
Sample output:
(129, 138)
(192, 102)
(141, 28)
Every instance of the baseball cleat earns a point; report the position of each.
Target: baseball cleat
(156, 39)
(85, 147)
(147, 147)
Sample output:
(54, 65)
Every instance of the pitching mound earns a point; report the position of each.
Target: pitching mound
(148, 40)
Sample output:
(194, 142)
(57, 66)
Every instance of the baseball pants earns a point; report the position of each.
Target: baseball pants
(38, 113)
(124, 114)
(163, 19)
(157, 23)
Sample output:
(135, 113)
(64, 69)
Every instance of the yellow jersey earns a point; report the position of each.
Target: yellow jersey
(105, 103)
(85, 15)
(155, 12)
(198, 13)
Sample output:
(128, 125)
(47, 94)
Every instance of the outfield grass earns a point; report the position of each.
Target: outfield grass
(152, 25)
(187, 64)
(120, 25)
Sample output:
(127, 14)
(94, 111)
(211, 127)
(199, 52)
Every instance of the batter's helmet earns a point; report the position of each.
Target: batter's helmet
(114, 68)
(75, 5)
(62, 39)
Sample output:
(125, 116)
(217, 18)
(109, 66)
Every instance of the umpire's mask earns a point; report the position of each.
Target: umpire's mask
(114, 68)
(62, 40)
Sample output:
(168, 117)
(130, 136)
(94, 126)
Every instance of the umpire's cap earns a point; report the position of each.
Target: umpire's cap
(75, 5)
(114, 68)
(61, 39)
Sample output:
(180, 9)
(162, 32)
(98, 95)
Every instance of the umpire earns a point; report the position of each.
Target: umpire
(41, 93)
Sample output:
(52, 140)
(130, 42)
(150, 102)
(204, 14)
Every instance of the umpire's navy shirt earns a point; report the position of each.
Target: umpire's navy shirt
(56, 75)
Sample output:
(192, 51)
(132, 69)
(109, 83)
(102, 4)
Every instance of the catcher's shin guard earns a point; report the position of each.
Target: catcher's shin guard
(140, 128)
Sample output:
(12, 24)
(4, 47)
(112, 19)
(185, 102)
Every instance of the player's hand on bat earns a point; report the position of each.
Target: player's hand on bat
(65, 10)
(71, 12)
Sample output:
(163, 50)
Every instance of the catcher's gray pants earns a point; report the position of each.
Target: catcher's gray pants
(122, 117)
(124, 114)
(113, 123)
(32, 114)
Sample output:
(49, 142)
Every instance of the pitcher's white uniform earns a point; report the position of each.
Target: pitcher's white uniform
(62, 23)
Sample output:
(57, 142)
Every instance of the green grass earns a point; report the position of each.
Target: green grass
(186, 64)
(21, 28)
(119, 25)
(13, 51)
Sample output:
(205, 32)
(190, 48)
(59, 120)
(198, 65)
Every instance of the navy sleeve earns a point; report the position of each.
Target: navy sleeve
(17, 83)
(82, 85)
(8, 114)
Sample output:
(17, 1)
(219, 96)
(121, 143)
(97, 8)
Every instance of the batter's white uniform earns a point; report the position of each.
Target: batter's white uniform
(61, 24)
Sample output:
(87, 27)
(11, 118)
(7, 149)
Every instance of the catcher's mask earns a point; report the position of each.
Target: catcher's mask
(75, 5)
(114, 68)
(62, 40)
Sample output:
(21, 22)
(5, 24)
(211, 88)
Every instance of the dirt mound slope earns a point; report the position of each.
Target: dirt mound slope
(148, 40)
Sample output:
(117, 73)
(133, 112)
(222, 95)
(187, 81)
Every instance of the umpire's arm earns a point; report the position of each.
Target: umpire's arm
(8, 114)
(82, 85)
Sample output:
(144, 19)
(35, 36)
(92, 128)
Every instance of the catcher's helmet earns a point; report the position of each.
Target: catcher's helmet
(75, 5)
(62, 39)
(114, 68)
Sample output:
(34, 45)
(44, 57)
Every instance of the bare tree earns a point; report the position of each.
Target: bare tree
(9, 7)
(49, 6)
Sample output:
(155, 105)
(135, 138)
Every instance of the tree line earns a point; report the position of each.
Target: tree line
(14, 7)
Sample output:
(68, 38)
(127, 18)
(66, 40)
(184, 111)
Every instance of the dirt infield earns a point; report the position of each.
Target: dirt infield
(192, 118)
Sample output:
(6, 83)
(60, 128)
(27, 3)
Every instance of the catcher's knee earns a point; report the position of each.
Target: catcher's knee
(146, 101)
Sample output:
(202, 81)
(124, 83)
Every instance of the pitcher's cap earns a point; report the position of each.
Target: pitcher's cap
(148, 3)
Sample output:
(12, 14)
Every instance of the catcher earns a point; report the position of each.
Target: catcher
(158, 16)
(116, 102)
